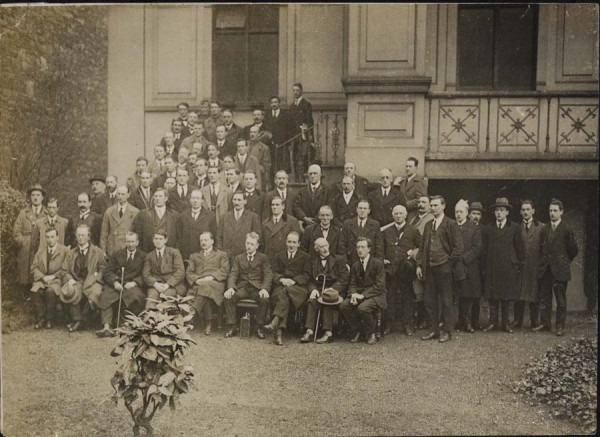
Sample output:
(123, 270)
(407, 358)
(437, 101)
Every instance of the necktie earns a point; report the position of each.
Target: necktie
(289, 256)
(435, 226)
(159, 257)
(129, 257)
(50, 253)
(237, 216)
(364, 266)
(499, 225)
(275, 220)
(195, 215)
(51, 222)
(250, 258)
(553, 227)
(82, 252)
(384, 194)
(120, 212)
(205, 252)
(274, 114)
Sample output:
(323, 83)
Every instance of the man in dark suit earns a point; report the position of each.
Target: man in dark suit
(344, 203)
(504, 253)
(362, 186)
(441, 246)
(384, 198)
(226, 144)
(171, 148)
(99, 201)
(141, 198)
(211, 123)
(289, 284)
(401, 243)
(412, 186)
(85, 217)
(361, 226)
(164, 271)
(325, 272)
(251, 277)
(236, 224)
(559, 249)
(276, 227)
(171, 171)
(148, 221)
(301, 125)
(278, 121)
(265, 135)
(180, 196)
(475, 215)
(261, 152)
(108, 198)
(180, 132)
(324, 228)
(192, 223)
(216, 195)
(232, 130)
(281, 190)
(122, 274)
(254, 196)
(245, 162)
(311, 198)
(366, 293)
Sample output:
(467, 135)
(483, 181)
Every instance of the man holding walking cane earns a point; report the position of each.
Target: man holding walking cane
(122, 283)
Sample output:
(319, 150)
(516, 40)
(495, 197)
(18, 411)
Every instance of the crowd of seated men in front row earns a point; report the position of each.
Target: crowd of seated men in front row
(357, 248)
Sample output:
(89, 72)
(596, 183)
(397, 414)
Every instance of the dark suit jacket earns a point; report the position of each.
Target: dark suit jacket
(451, 242)
(362, 186)
(257, 274)
(412, 191)
(101, 203)
(197, 183)
(147, 222)
(396, 246)
(141, 202)
(159, 181)
(351, 232)
(171, 270)
(263, 128)
(231, 236)
(371, 283)
(279, 127)
(381, 209)
(312, 232)
(289, 269)
(93, 220)
(275, 235)
(255, 202)
(235, 132)
(178, 203)
(289, 202)
(559, 249)
(190, 230)
(341, 210)
(301, 113)
(472, 247)
(229, 147)
(133, 270)
(307, 203)
(251, 164)
(335, 271)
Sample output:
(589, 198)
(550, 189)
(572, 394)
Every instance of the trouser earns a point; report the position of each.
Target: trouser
(401, 302)
(360, 315)
(550, 285)
(80, 311)
(312, 310)
(438, 289)
(475, 311)
(154, 294)
(282, 306)
(534, 313)
(504, 305)
(206, 306)
(108, 313)
(44, 301)
(465, 310)
(247, 293)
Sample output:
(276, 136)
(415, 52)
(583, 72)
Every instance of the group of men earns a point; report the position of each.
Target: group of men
(365, 249)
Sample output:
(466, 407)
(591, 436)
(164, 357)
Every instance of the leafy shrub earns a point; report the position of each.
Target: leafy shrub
(152, 371)
(566, 380)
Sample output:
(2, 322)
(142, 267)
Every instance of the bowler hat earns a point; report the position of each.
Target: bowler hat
(36, 187)
(476, 206)
(97, 178)
(71, 293)
(501, 202)
(330, 296)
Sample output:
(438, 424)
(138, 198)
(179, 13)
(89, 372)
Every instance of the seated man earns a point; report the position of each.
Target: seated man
(81, 273)
(163, 270)
(327, 273)
(250, 278)
(45, 270)
(206, 274)
(366, 292)
(323, 228)
(122, 280)
(289, 282)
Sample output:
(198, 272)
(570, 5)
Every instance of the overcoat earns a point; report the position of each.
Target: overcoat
(313, 232)
(412, 190)
(307, 203)
(371, 282)
(343, 211)
(533, 253)
(190, 230)
(223, 201)
(291, 269)
(381, 208)
(114, 228)
(216, 264)
(257, 273)
(38, 237)
(133, 272)
(275, 235)
(22, 232)
(139, 200)
(147, 222)
(451, 242)
(171, 270)
(559, 249)
(41, 267)
(91, 284)
(350, 234)
(470, 257)
(231, 236)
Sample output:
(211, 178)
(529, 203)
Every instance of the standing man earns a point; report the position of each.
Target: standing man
(206, 274)
(258, 118)
(311, 198)
(366, 293)
(163, 270)
(142, 197)
(117, 222)
(469, 288)
(278, 122)
(211, 123)
(441, 246)
(85, 217)
(170, 172)
(196, 137)
(246, 162)
(52, 220)
(384, 198)
(289, 283)
(327, 274)
(412, 186)
(123, 279)
(200, 173)
(345, 203)
(180, 197)
(157, 167)
(301, 125)
(232, 130)
(147, 222)
(216, 196)
(194, 222)
(99, 201)
(262, 153)
(251, 277)
(171, 148)
(531, 232)
(504, 253)
(559, 249)
(236, 225)
(109, 197)
(361, 226)
(133, 182)
(45, 269)
(475, 214)
(225, 144)
(254, 197)
(281, 190)
(183, 110)
(324, 228)
(361, 185)
(276, 228)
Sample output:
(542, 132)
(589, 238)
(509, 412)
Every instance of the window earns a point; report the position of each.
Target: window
(245, 53)
(497, 47)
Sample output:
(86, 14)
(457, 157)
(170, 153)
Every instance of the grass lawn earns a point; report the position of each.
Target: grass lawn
(58, 384)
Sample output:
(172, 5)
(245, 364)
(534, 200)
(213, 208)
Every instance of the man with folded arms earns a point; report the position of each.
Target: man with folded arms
(127, 265)
(366, 293)
(206, 274)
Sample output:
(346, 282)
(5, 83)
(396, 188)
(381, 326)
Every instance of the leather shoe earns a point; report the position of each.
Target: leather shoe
(372, 339)
(387, 331)
(490, 327)
(39, 324)
(560, 332)
(540, 328)
(307, 337)
(279, 340)
(231, 332)
(260, 334)
(356, 338)
(469, 328)
(409, 331)
(508, 329)
(517, 325)
(207, 330)
(270, 328)
(69, 325)
(48, 325)
(104, 332)
(325, 339)
(444, 337)
(431, 336)
(77, 326)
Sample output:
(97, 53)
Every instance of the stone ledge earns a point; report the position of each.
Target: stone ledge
(494, 156)
(386, 85)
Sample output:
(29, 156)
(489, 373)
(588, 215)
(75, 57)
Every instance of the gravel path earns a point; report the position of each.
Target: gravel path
(58, 384)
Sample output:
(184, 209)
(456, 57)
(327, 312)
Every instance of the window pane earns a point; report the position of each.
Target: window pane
(264, 18)
(263, 66)
(515, 47)
(475, 47)
(229, 67)
(230, 17)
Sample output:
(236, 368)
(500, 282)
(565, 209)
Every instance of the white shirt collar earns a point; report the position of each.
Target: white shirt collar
(292, 254)
(278, 217)
(253, 254)
(438, 220)
(130, 254)
(461, 223)
(556, 223)
(84, 248)
(161, 251)
(501, 222)
(365, 261)
(348, 196)
(411, 177)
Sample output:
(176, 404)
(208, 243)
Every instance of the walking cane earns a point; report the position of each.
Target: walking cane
(319, 312)
(121, 296)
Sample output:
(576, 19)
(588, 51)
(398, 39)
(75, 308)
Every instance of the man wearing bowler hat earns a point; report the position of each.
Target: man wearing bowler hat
(475, 215)
(326, 273)
(504, 253)
(100, 203)
(366, 293)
